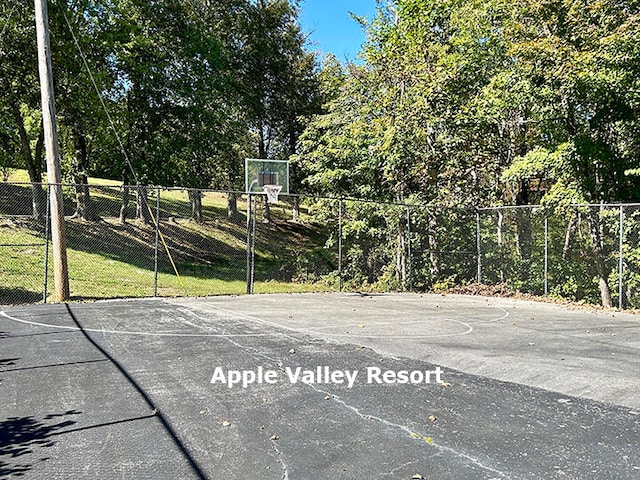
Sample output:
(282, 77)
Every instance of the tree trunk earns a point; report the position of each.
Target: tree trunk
(568, 236)
(83, 199)
(432, 239)
(40, 196)
(232, 207)
(524, 233)
(84, 205)
(266, 210)
(500, 245)
(39, 200)
(401, 253)
(262, 141)
(142, 204)
(124, 207)
(295, 209)
(32, 163)
(595, 228)
(195, 199)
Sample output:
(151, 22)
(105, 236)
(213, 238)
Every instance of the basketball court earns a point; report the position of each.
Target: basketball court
(128, 389)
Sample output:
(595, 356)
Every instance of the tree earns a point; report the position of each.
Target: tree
(19, 104)
(81, 49)
(276, 77)
(581, 59)
(400, 129)
(167, 95)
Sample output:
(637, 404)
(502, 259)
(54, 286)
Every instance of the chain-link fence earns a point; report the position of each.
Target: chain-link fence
(583, 252)
(140, 241)
(115, 247)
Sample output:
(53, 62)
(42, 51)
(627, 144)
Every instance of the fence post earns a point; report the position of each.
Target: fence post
(155, 247)
(409, 252)
(46, 248)
(546, 252)
(500, 244)
(340, 245)
(249, 227)
(621, 259)
(478, 246)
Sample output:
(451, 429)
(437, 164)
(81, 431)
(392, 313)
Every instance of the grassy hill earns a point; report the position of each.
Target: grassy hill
(109, 259)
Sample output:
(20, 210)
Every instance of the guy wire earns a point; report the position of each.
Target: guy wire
(121, 145)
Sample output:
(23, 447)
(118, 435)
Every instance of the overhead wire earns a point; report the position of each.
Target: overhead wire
(121, 145)
(7, 19)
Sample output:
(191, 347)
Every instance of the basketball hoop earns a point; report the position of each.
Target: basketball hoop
(272, 192)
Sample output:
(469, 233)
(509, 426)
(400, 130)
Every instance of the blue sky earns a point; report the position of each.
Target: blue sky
(331, 28)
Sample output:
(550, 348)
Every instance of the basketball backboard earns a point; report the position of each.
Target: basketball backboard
(258, 173)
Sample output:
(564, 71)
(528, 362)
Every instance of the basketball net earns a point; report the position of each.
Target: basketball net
(272, 192)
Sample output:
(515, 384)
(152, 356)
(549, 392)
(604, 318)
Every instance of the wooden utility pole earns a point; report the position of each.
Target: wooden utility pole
(58, 237)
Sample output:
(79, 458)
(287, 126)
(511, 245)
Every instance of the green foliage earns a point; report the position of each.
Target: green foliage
(185, 84)
(463, 103)
(454, 104)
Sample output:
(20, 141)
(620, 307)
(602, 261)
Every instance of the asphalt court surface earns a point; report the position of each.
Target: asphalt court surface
(123, 389)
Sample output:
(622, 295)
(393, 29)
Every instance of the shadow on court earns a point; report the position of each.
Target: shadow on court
(24, 440)
(161, 417)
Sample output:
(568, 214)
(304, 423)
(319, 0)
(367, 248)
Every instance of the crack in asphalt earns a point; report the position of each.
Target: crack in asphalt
(414, 435)
(283, 464)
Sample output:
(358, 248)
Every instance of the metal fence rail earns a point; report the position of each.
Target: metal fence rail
(140, 241)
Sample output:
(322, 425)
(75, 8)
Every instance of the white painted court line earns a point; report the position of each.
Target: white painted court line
(132, 332)
(314, 330)
(307, 331)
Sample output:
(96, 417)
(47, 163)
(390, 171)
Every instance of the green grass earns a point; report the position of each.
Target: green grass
(108, 259)
(18, 175)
